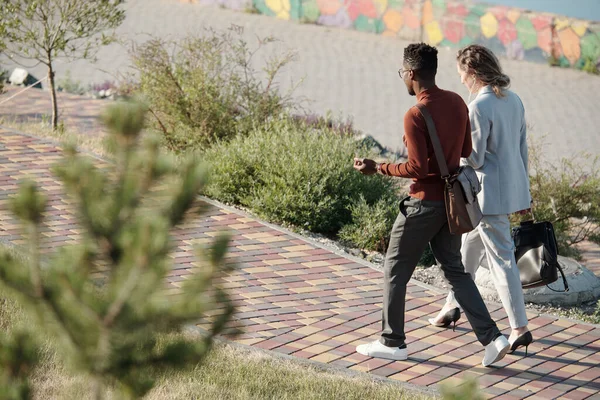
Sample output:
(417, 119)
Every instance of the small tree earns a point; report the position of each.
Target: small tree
(47, 29)
(102, 301)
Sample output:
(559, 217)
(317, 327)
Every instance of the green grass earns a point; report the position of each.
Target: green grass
(234, 373)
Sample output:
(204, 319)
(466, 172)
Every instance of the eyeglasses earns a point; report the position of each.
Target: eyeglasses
(401, 72)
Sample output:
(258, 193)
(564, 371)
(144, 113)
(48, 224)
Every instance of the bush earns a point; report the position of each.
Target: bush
(337, 125)
(3, 72)
(568, 195)
(208, 88)
(371, 224)
(2, 80)
(3, 77)
(595, 317)
(289, 172)
(68, 85)
(590, 66)
(427, 258)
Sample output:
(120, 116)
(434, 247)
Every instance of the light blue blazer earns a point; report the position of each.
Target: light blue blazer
(499, 152)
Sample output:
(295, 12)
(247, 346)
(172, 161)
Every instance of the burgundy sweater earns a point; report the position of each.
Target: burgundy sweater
(451, 117)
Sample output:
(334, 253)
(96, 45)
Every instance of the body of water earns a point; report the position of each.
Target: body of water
(584, 9)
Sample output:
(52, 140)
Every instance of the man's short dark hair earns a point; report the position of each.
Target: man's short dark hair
(422, 58)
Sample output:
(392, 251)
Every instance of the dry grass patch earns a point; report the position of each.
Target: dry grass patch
(93, 143)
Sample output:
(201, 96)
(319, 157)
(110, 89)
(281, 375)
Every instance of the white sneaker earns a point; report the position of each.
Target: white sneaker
(378, 350)
(495, 351)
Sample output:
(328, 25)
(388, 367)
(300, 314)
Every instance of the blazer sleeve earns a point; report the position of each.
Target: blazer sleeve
(523, 143)
(480, 132)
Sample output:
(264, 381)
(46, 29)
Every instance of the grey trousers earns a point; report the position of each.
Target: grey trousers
(421, 223)
(491, 246)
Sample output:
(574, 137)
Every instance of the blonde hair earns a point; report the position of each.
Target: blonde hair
(483, 63)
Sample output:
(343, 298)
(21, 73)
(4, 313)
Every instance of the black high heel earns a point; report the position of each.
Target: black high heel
(523, 340)
(450, 317)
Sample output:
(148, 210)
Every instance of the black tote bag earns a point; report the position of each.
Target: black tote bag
(536, 253)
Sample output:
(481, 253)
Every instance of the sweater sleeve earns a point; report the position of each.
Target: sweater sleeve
(468, 143)
(416, 145)
(523, 142)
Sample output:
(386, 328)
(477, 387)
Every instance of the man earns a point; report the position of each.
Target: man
(422, 218)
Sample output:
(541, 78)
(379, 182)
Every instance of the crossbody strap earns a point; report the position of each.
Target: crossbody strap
(435, 141)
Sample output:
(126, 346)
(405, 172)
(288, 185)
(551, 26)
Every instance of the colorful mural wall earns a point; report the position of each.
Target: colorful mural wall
(511, 32)
(576, 42)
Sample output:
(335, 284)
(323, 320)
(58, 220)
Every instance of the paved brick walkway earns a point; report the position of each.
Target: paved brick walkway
(298, 298)
(33, 105)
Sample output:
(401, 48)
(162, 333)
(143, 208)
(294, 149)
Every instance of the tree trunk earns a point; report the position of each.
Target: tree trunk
(52, 95)
(98, 388)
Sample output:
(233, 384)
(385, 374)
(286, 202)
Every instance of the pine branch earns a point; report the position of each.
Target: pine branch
(76, 299)
(35, 271)
(126, 290)
(61, 319)
(125, 208)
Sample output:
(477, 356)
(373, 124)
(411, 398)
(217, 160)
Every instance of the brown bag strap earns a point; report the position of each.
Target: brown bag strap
(435, 141)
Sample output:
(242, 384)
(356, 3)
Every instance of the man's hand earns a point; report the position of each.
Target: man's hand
(365, 166)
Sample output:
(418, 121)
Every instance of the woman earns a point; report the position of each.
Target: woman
(499, 157)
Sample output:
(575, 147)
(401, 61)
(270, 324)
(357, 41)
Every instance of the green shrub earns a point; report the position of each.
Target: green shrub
(427, 258)
(595, 317)
(3, 78)
(371, 223)
(289, 172)
(3, 72)
(590, 66)
(340, 126)
(568, 195)
(208, 88)
(69, 85)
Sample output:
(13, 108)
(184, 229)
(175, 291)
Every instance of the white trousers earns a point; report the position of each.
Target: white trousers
(490, 245)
